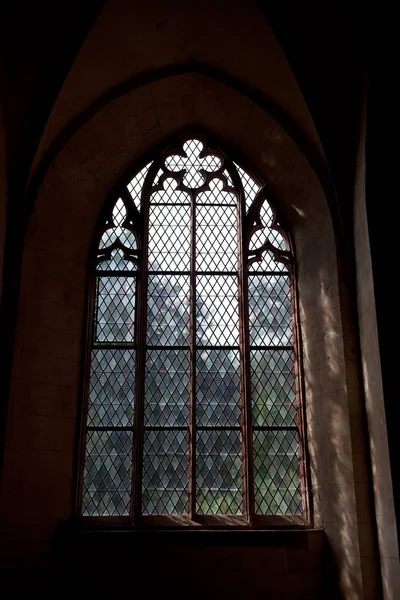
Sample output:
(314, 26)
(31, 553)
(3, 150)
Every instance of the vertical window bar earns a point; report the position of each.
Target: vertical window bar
(137, 450)
(192, 427)
(141, 311)
(246, 421)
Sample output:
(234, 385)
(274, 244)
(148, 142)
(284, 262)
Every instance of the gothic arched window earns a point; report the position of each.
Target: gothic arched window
(192, 410)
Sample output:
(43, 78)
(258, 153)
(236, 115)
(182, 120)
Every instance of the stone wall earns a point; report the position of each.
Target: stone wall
(374, 400)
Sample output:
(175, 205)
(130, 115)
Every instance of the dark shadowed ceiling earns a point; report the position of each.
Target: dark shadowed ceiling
(322, 42)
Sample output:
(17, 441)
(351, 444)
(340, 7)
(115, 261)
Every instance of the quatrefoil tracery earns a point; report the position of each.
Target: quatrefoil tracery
(195, 163)
(194, 166)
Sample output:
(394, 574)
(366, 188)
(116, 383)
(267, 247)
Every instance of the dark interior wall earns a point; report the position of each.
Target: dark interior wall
(326, 45)
(380, 183)
(3, 195)
(38, 44)
(374, 397)
(209, 565)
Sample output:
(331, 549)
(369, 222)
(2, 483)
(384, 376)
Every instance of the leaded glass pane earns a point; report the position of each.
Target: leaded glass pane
(115, 309)
(165, 473)
(125, 236)
(191, 316)
(276, 473)
(168, 310)
(217, 310)
(216, 238)
(111, 394)
(218, 388)
(167, 392)
(170, 194)
(273, 388)
(267, 233)
(216, 195)
(169, 238)
(107, 473)
(219, 473)
(118, 231)
(270, 311)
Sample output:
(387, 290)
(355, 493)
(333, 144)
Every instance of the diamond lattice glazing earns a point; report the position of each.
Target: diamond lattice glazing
(265, 234)
(270, 311)
(111, 393)
(216, 238)
(219, 473)
(115, 309)
(168, 316)
(217, 446)
(273, 388)
(277, 488)
(117, 230)
(167, 390)
(218, 388)
(107, 473)
(170, 194)
(124, 235)
(216, 195)
(217, 310)
(165, 473)
(169, 238)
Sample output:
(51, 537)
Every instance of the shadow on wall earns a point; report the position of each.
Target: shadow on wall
(327, 408)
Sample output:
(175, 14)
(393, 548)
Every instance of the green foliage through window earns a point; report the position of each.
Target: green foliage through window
(191, 335)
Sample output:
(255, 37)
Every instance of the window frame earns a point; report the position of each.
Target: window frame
(230, 522)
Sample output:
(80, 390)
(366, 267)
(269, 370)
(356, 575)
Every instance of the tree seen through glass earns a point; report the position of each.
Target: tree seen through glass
(218, 316)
